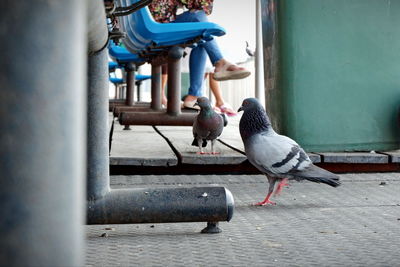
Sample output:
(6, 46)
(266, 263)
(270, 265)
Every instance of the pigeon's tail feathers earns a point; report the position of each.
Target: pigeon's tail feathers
(195, 143)
(328, 181)
(318, 175)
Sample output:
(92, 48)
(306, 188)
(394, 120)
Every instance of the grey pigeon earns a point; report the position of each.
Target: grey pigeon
(277, 156)
(249, 52)
(208, 125)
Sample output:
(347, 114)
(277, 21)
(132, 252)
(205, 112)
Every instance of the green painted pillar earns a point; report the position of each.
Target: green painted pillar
(335, 85)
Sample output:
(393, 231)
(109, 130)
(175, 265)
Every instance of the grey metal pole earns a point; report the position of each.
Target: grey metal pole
(174, 80)
(155, 87)
(42, 141)
(259, 65)
(98, 180)
(130, 84)
(162, 205)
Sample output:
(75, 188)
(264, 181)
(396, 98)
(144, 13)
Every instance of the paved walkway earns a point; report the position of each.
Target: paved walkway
(356, 224)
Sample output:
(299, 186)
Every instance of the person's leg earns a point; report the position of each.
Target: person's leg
(216, 90)
(219, 100)
(197, 59)
(164, 79)
(211, 46)
(197, 66)
(224, 70)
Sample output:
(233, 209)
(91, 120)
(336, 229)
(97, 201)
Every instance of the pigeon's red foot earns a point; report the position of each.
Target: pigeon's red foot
(280, 186)
(264, 203)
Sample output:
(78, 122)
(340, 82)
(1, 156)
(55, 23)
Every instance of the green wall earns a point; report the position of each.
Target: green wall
(339, 73)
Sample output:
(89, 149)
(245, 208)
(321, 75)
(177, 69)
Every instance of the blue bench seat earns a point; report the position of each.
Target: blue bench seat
(144, 34)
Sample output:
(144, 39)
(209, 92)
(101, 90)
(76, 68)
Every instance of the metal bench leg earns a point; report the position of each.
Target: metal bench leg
(174, 81)
(116, 91)
(98, 182)
(155, 87)
(130, 84)
(138, 92)
(138, 205)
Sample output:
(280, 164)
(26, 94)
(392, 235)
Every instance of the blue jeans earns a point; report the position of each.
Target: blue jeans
(198, 55)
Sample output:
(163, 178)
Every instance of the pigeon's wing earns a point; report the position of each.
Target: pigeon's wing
(199, 129)
(218, 126)
(194, 129)
(276, 154)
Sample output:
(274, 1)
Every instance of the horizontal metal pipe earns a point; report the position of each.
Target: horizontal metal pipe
(138, 108)
(117, 100)
(156, 118)
(162, 205)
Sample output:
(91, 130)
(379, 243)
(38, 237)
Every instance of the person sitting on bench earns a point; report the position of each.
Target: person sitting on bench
(165, 11)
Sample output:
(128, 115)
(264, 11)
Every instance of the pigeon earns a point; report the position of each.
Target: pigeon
(208, 125)
(249, 52)
(277, 156)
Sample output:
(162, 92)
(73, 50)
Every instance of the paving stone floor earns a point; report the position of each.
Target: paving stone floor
(356, 224)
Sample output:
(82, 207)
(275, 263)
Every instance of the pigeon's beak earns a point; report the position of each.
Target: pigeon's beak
(196, 104)
(240, 109)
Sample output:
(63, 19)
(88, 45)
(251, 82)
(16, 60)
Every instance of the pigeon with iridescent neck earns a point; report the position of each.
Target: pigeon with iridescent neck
(208, 125)
(277, 156)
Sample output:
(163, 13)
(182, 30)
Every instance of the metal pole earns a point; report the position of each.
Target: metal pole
(156, 118)
(156, 87)
(174, 80)
(259, 65)
(42, 143)
(162, 205)
(98, 180)
(130, 84)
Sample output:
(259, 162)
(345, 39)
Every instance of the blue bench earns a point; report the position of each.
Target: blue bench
(112, 66)
(144, 35)
(124, 59)
(159, 43)
(122, 55)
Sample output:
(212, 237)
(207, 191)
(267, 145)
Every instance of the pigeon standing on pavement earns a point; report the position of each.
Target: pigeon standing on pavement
(277, 156)
(208, 125)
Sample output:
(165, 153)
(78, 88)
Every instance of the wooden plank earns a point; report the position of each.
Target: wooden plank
(394, 155)
(181, 137)
(141, 146)
(354, 157)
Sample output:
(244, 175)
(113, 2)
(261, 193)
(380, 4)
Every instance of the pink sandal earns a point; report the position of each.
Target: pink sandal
(224, 74)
